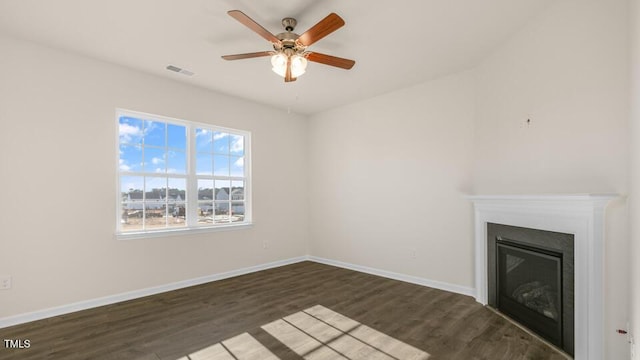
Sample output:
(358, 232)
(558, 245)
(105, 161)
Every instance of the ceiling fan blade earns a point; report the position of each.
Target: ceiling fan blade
(247, 56)
(251, 24)
(323, 28)
(331, 60)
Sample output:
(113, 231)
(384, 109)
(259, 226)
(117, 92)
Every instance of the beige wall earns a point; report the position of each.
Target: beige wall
(57, 152)
(635, 176)
(567, 71)
(387, 181)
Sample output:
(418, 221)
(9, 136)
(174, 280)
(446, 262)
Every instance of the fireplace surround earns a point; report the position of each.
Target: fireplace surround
(579, 215)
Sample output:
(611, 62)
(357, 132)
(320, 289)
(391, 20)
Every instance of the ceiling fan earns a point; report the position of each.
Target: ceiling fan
(289, 56)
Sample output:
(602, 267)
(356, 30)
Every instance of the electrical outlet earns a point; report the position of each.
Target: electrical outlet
(5, 282)
(264, 244)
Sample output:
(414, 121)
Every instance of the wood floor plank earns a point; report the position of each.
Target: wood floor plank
(196, 320)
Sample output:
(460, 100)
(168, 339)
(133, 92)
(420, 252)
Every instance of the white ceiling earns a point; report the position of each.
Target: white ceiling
(395, 43)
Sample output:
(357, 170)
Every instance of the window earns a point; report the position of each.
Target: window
(179, 175)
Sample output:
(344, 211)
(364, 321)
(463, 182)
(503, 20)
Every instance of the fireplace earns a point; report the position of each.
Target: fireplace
(531, 280)
(529, 286)
(579, 215)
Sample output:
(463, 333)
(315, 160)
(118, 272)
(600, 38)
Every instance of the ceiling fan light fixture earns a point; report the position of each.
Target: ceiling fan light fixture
(279, 63)
(298, 65)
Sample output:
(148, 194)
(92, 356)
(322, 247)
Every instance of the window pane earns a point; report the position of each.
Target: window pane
(205, 212)
(178, 212)
(221, 212)
(237, 166)
(222, 189)
(155, 202)
(132, 188)
(220, 142)
(237, 211)
(237, 190)
(204, 140)
(221, 165)
(154, 216)
(130, 158)
(237, 145)
(177, 190)
(155, 133)
(129, 130)
(176, 215)
(177, 137)
(154, 160)
(205, 208)
(155, 191)
(131, 191)
(176, 162)
(205, 189)
(131, 219)
(204, 164)
(176, 195)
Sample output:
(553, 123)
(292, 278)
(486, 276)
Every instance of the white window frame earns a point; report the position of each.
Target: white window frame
(191, 201)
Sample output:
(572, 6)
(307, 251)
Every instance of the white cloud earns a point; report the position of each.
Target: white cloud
(124, 166)
(219, 135)
(237, 145)
(239, 162)
(128, 132)
(149, 126)
(157, 160)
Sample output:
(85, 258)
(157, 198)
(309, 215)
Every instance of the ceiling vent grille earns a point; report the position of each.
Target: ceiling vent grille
(179, 70)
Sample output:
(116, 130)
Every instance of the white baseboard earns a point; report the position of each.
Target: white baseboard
(112, 299)
(131, 295)
(463, 290)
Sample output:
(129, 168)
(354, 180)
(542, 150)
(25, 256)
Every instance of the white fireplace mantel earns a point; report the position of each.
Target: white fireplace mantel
(580, 215)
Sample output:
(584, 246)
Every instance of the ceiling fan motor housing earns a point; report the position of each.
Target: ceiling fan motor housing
(288, 38)
(289, 23)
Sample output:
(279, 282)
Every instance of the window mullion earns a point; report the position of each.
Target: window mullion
(192, 180)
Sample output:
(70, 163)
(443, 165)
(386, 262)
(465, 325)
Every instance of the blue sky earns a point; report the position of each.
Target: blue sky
(154, 147)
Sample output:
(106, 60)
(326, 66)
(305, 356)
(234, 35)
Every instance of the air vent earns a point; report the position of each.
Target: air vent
(179, 70)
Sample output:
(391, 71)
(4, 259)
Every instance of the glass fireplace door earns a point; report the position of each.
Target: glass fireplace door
(529, 287)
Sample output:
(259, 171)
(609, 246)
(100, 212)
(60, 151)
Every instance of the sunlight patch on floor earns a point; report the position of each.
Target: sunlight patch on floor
(321, 333)
(317, 333)
(241, 347)
(376, 339)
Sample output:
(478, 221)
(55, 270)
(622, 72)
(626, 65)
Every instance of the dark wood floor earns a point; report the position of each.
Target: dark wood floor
(175, 324)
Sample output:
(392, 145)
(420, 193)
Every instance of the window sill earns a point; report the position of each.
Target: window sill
(132, 235)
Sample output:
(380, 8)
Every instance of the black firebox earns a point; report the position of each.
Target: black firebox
(529, 286)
